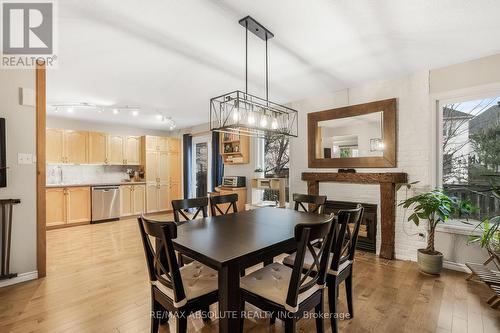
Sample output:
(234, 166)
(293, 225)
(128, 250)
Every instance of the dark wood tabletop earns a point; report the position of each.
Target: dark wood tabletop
(230, 242)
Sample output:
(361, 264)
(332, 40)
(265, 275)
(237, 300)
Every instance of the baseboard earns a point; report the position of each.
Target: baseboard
(455, 266)
(22, 277)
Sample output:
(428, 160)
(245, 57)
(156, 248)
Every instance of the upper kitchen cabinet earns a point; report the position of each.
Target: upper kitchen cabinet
(151, 142)
(66, 146)
(98, 148)
(115, 149)
(174, 145)
(54, 139)
(132, 150)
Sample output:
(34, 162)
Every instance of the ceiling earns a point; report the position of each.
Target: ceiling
(171, 57)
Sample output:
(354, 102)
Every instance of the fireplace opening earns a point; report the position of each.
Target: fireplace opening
(367, 237)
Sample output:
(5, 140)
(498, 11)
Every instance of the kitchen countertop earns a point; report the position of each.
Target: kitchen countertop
(94, 184)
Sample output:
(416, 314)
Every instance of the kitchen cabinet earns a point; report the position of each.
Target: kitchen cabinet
(115, 149)
(132, 150)
(54, 140)
(152, 197)
(174, 145)
(174, 165)
(67, 205)
(132, 199)
(240, 191)
(151, 142)
(98, 151)
(66, 146)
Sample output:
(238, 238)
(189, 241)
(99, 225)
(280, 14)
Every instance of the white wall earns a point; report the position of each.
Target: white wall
(21, 179)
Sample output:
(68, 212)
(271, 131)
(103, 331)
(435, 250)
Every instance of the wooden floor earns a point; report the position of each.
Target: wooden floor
(97, 282)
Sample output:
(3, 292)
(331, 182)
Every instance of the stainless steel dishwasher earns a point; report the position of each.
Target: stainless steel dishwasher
(105, 203)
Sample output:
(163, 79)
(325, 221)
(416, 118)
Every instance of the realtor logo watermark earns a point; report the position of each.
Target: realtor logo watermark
(27, 34)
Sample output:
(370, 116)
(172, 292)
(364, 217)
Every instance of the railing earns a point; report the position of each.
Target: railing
(480, 196)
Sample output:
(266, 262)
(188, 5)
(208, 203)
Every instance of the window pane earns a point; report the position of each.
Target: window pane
(471, 152)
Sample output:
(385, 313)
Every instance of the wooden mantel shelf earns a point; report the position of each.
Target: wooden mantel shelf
(387, 182)
(361, 178)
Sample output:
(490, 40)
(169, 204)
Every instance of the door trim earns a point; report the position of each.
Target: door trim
(40, 87)
(195, 140)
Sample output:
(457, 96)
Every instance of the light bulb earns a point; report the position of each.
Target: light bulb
(135, 113)
(70, 110)
(115, 111)
(263, 121)
(251, 119)
(159, 117)
(274, 124)
(236, 114)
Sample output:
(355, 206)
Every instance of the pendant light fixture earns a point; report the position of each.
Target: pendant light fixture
(245, 114)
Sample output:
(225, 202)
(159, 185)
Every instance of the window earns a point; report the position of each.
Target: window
(471, 152)
(276, 161)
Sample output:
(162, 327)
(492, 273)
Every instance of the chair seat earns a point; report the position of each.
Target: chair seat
(272, 282)
(197, 279)
(309, 260)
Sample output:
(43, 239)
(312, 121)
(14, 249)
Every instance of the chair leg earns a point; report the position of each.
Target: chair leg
(491, 299)
(181, 324)
(320, 309)
(348, 291)
(290, 325)
(268, 262)
(332, 304)
(242, 272)
(155, 321)
(273, 318)
(180, 260)
(242, 319)
(205, 313)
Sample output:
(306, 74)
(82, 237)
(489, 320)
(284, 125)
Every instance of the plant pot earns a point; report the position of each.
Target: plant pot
(430, 263)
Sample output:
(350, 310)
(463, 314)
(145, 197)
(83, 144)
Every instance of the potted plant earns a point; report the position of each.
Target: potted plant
(434, 207)
(490, 227)
(259, 172)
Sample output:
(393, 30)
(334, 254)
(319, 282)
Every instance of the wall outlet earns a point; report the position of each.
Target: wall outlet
(25, 158)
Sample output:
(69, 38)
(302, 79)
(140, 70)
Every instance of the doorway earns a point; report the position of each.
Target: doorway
(202, 166)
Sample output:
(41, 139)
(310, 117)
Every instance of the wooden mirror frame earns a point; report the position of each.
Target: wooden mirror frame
(388, 160)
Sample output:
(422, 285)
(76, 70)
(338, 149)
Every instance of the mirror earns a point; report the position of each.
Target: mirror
(355, 136)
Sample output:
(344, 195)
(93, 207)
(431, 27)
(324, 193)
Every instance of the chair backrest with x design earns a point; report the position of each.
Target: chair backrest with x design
(306, 236)
(346, 236)
(162, 271)
(315, 203)
(217, 204)
(179, 207)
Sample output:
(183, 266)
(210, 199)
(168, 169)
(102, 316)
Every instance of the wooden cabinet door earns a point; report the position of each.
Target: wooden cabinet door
(174, 145)
(126, 199)
(174, 167)
(78, 204)
(151, 142)
(164, 197)
(55, 206)
(163, 161)
(151, 197)
(97, 148)
(139, 199)
(133, 150)
(76, 146)
(54, 139)
(115, 149)
(152, 166)
(162, 143)
(175, 191)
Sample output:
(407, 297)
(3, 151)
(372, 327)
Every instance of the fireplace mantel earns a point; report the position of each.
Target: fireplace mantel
(387, 182)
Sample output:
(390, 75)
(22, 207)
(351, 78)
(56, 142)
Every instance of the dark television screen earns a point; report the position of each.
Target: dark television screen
(3, 162)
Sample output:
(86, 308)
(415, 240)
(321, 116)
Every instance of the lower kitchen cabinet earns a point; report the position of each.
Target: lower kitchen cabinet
(67, 205)
(132, 199)
(159, 196)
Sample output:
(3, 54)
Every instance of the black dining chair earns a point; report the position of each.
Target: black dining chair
(290, 293)
(315, 203)
(218, 202)
(341, 260)
(174, 290)
(180, 206)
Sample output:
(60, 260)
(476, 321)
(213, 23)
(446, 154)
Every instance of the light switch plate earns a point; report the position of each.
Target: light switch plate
(24, 158)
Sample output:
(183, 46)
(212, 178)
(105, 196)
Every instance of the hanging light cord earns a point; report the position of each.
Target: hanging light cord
(267, 76)
(246, 57)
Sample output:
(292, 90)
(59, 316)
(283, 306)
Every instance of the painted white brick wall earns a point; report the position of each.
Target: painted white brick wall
(414, 140)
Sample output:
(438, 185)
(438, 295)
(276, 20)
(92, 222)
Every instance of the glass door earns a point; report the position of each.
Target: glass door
(202, 165)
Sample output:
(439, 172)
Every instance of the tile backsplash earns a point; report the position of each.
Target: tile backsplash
(80, 174)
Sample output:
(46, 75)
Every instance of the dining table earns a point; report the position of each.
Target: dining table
(229, 243)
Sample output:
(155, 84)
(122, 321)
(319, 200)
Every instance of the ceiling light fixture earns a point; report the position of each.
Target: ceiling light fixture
(226, 111)
(135, 113)
(116, 111)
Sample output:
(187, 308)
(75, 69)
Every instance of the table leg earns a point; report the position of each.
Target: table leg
(229, 299)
